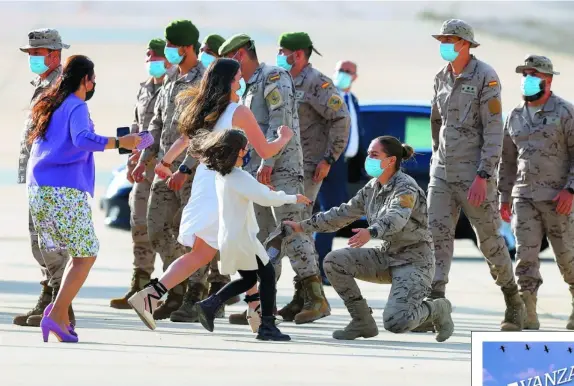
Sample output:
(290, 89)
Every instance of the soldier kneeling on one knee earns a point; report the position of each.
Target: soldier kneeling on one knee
(396, 211)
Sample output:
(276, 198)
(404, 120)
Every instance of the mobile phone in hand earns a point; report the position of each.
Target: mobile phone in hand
(121, 132)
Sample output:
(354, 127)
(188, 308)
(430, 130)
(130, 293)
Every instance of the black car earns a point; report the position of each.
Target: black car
(407, 120)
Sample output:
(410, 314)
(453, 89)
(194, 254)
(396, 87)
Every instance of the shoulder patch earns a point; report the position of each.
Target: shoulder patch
(274, 77)
(494, 106)
(274, 99)
(325, 85)
(492, 83)
(335, 102)
(407, 201)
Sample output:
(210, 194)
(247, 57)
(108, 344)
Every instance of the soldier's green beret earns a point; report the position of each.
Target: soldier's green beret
(234, 43)
(182, 33)
(157, 46)
(214, 41)
(294, 41)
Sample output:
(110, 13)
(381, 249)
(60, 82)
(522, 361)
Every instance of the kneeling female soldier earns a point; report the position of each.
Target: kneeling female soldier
(396, 211)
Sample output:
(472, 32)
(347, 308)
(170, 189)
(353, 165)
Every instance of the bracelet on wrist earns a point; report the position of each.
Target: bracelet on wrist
(165, 163)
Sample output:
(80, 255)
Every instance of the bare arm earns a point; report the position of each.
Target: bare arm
(178, 147)
(245, 120)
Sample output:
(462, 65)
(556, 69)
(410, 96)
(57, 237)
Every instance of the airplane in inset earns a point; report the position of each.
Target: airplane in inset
(502, 348)
(570, 350)
(527, 347)
(546, 349)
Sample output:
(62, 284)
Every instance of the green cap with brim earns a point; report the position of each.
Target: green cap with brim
(294, 41)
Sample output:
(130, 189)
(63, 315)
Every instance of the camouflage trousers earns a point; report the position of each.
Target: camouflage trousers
(530, 221)
(52, 263)
(445, 200)
(410, 283)
(144, 254)
(299, 247)
(311, 191)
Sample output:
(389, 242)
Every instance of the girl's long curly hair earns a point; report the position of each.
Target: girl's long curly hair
(219, 151)
(75, 69)
(204, 104)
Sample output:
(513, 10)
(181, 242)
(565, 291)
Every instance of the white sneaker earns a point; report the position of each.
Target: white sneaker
(145, 302)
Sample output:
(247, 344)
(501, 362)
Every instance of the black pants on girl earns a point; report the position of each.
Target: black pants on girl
(248, 279)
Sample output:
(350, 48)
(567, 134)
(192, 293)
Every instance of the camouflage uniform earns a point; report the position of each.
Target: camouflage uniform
(270, 94)
(144, 255)
(165, 205)
(466, 123)
(324, 124)
(537, 163)
(397, 214)
(52, 263)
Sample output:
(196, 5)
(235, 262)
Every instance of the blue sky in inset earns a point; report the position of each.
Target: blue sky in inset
(517, 363)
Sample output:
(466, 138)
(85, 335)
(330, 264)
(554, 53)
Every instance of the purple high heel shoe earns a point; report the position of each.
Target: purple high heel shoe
(47, 312)
(49, 326)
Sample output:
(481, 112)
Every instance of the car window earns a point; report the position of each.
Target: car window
(417, 133)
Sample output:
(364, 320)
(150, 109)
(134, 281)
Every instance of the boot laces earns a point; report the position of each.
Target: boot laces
(159, 288)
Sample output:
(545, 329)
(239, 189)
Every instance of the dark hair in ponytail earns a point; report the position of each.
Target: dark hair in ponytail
(394, 148)
(76, 68)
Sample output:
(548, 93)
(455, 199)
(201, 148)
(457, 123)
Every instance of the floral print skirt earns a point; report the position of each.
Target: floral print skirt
(63, 219)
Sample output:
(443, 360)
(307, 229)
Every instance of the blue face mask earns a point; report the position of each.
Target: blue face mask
(37, 64)
(206, 59)
(156, 68)
(282, 62)
(242, 87)
(342, 80)
(246, 158)
(172, 55)
(531, 85)
(447, 52)
(373, 167)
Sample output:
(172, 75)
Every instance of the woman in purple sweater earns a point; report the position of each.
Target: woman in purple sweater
(60, 178)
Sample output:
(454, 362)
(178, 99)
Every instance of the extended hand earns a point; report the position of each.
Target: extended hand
(505, 211)
(130, 141)
(138, 172)
(477, 192)
(264, 175)
(321, 171)
(297, 228)
(162, 171)
(361, 237)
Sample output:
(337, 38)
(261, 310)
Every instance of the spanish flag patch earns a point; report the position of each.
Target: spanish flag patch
(274, 78)
(325, 85)
(493, 83)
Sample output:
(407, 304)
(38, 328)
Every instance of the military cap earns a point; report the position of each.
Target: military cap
(234, 43)
(458, 28)
(213, 41)
(44, 38)
(182, 33)
(157, 46)
(296, 41)
(539, 63)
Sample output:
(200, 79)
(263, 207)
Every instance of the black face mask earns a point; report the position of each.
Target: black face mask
(90, 94)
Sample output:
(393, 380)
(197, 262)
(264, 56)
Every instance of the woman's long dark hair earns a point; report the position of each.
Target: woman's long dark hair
(75, 70)
(219, 151)
(204, 104)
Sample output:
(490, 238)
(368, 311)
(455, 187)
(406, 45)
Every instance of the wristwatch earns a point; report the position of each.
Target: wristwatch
(184, 169)
(484, 175)
(373, 232)
(329, 159)
(117, 145)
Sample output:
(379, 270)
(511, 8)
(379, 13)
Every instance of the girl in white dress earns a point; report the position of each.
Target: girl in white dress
(240, 251)
(212, 107)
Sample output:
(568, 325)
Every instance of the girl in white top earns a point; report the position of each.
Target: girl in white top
(240, 251)
(211, 107)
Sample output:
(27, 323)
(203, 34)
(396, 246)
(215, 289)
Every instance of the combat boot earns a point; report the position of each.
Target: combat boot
(213, 289)
(295, 305)
(531, 322)
(427, 325)
(187, 313)
(570, 324)
(139, 280)
(172, 302)
(315, 305)
(441, 318)
(207, 311)
(34, 320)
(515, 313)
(362, 326)
(43, 300)
(268, 330)
(239, 319)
